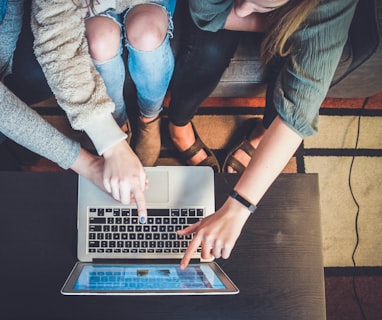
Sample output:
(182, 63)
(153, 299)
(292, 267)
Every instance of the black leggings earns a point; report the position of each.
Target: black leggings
(203, 57)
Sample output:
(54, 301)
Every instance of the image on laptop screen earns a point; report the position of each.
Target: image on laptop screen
(148, 278)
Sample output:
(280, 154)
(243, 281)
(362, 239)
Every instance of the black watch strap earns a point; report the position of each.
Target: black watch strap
(251, 207)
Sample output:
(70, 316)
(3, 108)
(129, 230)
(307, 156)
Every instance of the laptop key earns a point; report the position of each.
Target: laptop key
(192, 220)
(118, 230)
(93, 220)
(94, 244)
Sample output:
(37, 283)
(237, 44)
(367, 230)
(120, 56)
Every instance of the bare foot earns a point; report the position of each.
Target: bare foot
(183, 138)
(124, 127)
(254, 139)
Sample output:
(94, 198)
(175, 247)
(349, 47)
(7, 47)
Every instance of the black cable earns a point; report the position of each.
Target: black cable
(358, 210)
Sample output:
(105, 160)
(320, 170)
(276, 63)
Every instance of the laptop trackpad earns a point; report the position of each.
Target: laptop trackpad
(158, 190)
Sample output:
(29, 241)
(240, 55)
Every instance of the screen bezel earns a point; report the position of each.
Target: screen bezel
(68, 288)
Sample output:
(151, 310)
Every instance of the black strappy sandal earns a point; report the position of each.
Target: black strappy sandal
(245, 145)
(198, 145)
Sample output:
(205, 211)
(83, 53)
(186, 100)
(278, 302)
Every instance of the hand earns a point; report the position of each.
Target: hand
(124, 176)
(217, 233)
(90, 167)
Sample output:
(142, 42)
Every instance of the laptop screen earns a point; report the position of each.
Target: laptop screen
(148, 279)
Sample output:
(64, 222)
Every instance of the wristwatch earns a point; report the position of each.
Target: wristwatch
(251, 207)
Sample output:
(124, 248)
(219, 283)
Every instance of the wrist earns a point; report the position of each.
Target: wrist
(84, 163)
(235, 212)
(112, 149)
(243, 201)
(117, 149)
(104, 132)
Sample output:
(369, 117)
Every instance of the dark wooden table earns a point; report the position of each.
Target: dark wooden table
(277, 261)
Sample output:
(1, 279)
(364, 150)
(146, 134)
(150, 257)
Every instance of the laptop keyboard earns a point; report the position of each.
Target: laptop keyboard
(118, 230)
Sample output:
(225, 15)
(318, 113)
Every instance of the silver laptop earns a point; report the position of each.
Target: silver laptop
(120, 256)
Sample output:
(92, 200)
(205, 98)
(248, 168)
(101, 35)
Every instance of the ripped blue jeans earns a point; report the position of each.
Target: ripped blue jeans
(10, 27)
(151, 71)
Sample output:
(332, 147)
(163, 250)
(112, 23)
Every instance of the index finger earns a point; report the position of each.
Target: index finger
(188, 230)
(141, 205)
(194, 245)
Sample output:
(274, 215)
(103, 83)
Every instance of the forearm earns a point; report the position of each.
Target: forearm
(62, 51)
(23, 125)
(90, 167)
(61, 48)
(276, 148)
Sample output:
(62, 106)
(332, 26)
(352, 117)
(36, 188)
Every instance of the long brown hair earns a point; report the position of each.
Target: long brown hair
(283, 23)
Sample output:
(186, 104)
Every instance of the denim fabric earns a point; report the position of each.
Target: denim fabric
(3, 8)
(9, 33)
(113, 75)
(27, 80)
(150, 71)
(109, 13)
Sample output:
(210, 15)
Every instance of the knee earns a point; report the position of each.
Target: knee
(103, 36)
(146, 27)
(216, 55)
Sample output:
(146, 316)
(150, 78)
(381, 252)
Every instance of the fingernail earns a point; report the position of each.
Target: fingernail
(143, 220)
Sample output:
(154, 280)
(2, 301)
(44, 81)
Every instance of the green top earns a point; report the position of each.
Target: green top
(306, 75)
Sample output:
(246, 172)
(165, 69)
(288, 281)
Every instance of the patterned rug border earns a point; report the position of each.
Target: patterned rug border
(352, 271)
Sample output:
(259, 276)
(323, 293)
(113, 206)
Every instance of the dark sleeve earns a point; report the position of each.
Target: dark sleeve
(210, 15)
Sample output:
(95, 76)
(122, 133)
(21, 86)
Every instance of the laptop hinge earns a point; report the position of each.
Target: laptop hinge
(141, 261)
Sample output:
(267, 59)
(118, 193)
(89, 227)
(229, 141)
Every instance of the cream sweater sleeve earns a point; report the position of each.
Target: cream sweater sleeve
(62, 51)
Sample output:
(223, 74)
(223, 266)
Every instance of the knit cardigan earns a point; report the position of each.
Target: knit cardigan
(62, 51)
